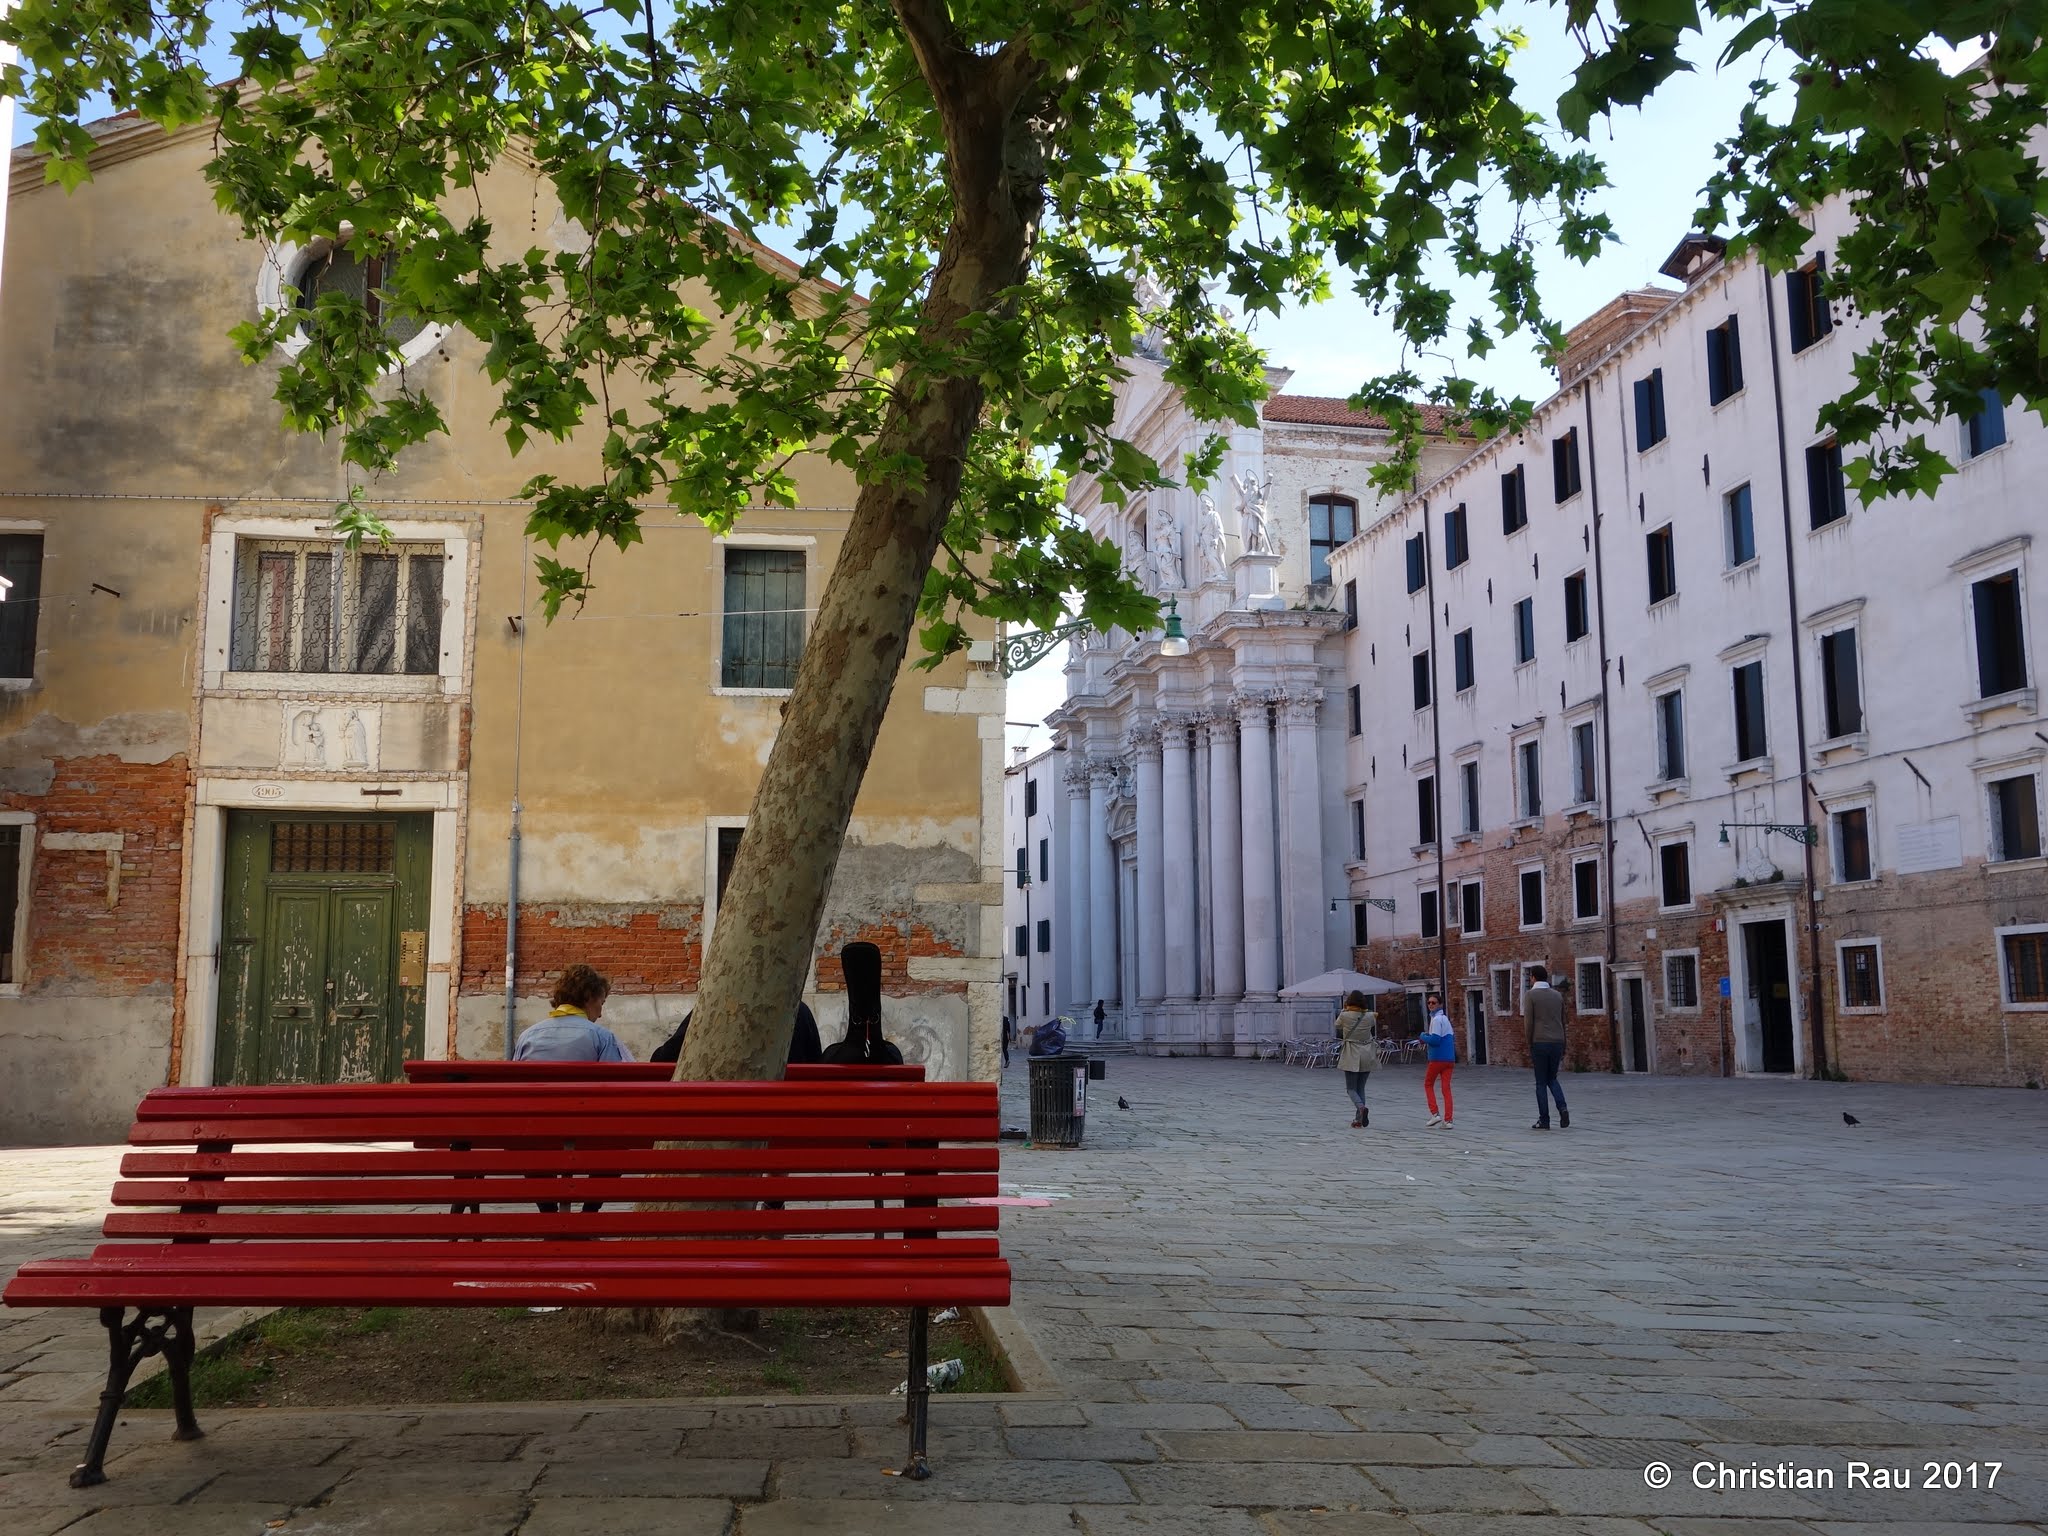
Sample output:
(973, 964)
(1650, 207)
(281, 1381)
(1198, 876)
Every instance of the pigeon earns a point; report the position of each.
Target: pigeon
(1122, 1102)
(1849, 1119)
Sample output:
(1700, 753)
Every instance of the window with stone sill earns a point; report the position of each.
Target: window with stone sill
(21, 568)
(2023, 967)
(1506, 990)
(2000, 627)
(1585, 889)
(1682, 980)
(1851, 827)
(1674, 874)
(2015, 817)
(1592, 990)
(1471, 908)
(1530, 885)
(1861, 975)
(315, 606)
(1427, 903)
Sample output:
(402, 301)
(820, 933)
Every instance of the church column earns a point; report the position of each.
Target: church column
(1226, 861)
(1301, 842)
(1074, 929)
(1144, 744)
(1177, 808)
(1102, 924)
(1261, 917)
(1205, 863)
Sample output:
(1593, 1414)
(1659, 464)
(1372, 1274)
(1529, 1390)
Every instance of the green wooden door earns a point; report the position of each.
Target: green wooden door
(359, 1000)
(295, 986)
(316, 912)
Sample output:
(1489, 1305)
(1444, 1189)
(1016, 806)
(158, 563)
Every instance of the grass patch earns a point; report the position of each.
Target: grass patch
(340, 1356)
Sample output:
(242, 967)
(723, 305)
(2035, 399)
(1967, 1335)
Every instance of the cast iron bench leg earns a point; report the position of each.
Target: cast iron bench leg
(156, 1330)
(920, 1396)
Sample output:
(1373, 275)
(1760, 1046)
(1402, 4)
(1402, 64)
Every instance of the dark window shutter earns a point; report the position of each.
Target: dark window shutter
(1643, 437)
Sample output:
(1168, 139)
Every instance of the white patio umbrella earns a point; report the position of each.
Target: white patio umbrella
(1337, 983)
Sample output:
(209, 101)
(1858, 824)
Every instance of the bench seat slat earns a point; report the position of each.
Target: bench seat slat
(715, 1286)
(502, 1191)
(561, 1224)
(363, 1163)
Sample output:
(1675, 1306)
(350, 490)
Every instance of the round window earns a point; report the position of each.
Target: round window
(298, 276)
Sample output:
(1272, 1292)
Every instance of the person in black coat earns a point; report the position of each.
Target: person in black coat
(804, 1044)
(861, 963)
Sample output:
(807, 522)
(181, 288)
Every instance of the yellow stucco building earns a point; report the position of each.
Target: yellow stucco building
(257, 791)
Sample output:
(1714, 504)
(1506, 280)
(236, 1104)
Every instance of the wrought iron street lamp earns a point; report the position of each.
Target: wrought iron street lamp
(1808, 834)
(1019, 653)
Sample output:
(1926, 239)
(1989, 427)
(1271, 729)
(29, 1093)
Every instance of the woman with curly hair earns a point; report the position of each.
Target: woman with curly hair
(571, 1032)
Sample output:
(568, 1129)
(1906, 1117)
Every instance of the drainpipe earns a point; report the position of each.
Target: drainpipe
(512, 843)
(1436, 750)
(1606, 733)
(1813, 989)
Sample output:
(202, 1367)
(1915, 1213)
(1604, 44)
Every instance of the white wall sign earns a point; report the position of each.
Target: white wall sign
(1925, 845)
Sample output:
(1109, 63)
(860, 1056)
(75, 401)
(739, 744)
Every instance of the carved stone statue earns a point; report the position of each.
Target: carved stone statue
(1168, 574)
(1215, 564)
(1259, 538)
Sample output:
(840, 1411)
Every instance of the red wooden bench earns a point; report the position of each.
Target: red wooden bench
(496, 1071)
(341, 1195)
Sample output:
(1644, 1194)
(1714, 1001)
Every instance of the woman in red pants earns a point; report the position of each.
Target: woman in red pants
(1443, 1055)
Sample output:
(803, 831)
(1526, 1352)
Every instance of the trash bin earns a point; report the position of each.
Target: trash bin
(1059, 1099)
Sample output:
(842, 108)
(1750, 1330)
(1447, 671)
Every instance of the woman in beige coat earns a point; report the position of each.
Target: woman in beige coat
(1359, 1053)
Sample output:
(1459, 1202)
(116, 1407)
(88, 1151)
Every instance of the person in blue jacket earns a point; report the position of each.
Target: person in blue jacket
(1443, 1055)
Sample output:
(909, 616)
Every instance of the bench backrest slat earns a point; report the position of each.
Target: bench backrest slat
(630, 1072)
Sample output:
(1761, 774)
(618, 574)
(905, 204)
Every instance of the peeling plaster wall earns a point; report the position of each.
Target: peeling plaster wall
(628, 755)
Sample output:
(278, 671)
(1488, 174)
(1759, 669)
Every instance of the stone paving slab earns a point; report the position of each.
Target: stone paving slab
(1248, 1325)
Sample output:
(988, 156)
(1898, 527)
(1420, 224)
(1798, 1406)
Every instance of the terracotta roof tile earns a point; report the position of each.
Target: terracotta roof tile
(1328, 411)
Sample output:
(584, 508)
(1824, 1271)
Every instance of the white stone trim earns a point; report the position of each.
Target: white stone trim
(278, 270)
(1998, 938)
(808, 543)
(217, 609)
(215, 796)
(1842, 1004)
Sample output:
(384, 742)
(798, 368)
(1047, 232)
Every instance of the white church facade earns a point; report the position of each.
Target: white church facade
(1200, 865)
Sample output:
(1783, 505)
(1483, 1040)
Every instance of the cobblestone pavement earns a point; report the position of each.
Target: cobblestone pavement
(1262, 1321)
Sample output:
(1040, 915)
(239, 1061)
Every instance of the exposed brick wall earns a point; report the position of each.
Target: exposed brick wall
(642, 949)
(1942, 1019)
(900, 938)
(76, 943)
(661, 949)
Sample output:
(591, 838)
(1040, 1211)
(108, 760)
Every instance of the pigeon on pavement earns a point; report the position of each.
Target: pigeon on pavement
(1849, 1119)
(1122, 1102)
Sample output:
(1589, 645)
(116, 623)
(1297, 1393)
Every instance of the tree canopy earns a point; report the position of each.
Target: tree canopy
(989, 202)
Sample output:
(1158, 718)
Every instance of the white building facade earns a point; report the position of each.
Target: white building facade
(1033, 803)
(1200, 869)
(1609, 675)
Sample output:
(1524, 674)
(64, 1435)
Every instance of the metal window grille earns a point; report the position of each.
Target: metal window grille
(332, 847)
(1861, 987)
(338, 270)
(1592, 993)
(2026, 967)
(312, 606)
(1681, 981)
(764, 618)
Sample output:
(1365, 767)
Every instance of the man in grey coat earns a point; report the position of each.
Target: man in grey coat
(1543, 1007)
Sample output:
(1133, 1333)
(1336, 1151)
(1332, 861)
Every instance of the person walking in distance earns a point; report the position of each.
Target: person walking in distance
(1543, 1007)
(1358, 1052)
(1443, 1056)
(1098, 1018)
